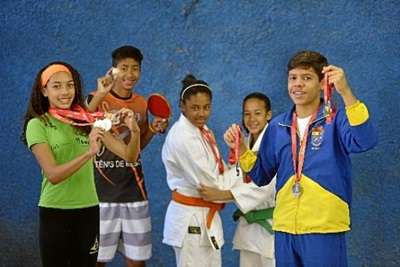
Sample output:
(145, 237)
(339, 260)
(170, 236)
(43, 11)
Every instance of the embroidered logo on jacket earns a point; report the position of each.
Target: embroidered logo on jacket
(317, 136)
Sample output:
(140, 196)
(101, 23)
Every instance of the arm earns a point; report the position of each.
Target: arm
(213, 194)
(247, 196)
(146, 136)
(262, 168)
(158, 125)
(129, 152)
(356, 131)
(57, 173)
(230, 136)
(247, 158)
(337, 76)
(104, 86)
(189, 155)
(266, 163)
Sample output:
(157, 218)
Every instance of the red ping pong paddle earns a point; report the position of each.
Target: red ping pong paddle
(158, 106)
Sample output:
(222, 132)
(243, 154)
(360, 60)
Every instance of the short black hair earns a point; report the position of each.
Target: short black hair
(308, 59)
(126, 51)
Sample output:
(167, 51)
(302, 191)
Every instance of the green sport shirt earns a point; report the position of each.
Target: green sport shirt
(78, 191)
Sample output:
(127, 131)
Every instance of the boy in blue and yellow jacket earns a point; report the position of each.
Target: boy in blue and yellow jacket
(309, 151)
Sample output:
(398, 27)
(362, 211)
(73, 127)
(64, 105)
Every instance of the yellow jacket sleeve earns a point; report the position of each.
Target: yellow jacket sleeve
(357, 113)
(247, 160)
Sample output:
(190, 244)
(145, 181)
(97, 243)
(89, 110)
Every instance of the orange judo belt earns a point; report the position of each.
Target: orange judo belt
(198, 202)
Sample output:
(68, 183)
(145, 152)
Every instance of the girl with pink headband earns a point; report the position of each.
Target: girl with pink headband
(68, 205)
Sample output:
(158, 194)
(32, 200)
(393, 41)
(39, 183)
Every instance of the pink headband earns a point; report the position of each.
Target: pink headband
(51, 70)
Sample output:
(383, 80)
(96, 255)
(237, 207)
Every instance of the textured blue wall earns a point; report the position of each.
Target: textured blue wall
(238, 47)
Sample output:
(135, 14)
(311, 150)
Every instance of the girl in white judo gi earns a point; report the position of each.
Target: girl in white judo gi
(191, 158)
(253, 237)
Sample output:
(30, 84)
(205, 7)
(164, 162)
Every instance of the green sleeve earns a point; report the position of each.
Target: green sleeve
(35, 132)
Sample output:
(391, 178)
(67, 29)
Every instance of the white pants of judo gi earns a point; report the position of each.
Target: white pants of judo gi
(248, 258)
(192, 254)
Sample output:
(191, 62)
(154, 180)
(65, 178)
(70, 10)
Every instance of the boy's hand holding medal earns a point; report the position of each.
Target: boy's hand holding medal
(128, 118)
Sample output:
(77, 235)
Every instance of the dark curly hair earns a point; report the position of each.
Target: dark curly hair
(39, 104)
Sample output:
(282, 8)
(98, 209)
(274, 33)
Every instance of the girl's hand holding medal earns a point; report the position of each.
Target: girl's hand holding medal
(104, 124)
(234, 138)
(95, 138)
(109, 120)
(123, 116)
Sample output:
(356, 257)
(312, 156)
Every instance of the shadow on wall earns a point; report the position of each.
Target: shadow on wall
(19, 244)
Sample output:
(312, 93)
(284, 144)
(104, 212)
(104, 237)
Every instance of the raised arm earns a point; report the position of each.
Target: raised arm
(247, 158)
(337, 76)
(104, 86)
(356, 130)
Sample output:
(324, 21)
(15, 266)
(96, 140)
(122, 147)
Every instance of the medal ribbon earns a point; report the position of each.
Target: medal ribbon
(234, 152)
(76, 113)
(298, 163)
(209, 137)
(330, 109)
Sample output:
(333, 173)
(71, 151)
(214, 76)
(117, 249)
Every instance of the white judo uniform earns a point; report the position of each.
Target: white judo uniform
(189, 161)
(255, 243)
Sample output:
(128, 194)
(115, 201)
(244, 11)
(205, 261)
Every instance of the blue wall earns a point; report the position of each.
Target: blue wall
(238, 47)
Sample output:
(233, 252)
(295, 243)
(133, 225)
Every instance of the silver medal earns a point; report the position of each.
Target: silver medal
(104, 124)
(296, 189)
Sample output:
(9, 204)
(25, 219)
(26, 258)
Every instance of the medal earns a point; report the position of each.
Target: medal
(115, 118)
(329, 109)
(104, 124)
(80, 117)
(298, 157)
(234, 152)
(296, 189)
(114, 72)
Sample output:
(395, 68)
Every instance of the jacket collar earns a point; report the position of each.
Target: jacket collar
(286, 119)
